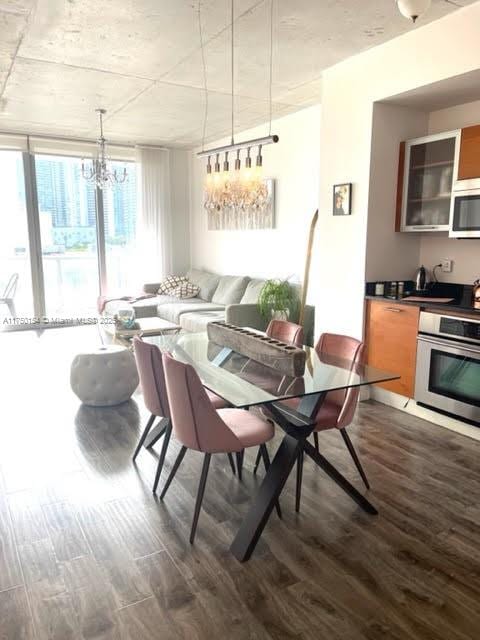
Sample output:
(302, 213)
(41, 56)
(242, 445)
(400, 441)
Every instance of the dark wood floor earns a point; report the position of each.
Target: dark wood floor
(87, 553)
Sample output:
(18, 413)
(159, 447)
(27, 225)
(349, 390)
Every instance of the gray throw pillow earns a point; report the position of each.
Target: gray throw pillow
(252, 291)
(206, 281)
(230, 289)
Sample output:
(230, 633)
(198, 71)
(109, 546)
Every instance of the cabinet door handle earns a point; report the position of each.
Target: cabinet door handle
(393, 310)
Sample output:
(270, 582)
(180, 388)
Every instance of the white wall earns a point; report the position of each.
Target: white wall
(433, 247)
(442, 49)
(390, 255)
(462, 115)
(280, 252)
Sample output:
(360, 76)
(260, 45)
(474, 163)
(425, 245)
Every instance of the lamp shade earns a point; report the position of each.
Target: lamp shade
(412, 9)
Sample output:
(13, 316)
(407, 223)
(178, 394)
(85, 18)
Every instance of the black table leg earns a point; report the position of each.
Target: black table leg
(337, 477)
(156, 433)
(267, 496)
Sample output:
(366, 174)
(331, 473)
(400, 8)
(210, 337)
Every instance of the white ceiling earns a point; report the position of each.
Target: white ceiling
(441, 95)
(141, 60)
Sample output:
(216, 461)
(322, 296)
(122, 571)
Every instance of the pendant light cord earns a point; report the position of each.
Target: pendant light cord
(204, 67)
(271, 70)
(232, 17)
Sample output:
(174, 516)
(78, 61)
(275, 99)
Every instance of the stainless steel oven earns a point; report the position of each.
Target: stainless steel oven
(465, 209)
(448, 365)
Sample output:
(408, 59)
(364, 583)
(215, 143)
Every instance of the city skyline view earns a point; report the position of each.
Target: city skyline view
(68, 232)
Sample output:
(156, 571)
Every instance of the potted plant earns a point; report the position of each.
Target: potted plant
(277, 299)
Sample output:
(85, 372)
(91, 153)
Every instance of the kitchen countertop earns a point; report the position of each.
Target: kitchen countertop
(461, 294)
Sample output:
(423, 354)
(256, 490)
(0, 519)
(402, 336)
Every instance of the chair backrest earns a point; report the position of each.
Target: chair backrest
(196, 424)
(152, 377)
(285, 331)
(345, 348)
(11, 287)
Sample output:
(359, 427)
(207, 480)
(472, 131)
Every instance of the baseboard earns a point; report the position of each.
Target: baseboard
(410, 406)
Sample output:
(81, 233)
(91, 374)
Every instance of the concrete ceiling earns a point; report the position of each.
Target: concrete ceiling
(141, 60)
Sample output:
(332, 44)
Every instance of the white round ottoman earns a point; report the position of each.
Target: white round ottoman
(104, 376)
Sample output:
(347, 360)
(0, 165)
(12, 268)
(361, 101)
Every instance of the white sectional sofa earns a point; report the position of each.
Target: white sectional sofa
(230, 298)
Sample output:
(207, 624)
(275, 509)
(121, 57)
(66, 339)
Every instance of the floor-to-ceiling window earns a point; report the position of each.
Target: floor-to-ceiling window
(63, 241)
(16, 296)
(68, 230)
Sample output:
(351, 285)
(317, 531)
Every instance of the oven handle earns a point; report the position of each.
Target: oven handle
(448, 343)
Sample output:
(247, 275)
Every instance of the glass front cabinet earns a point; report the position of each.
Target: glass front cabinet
(429, 167)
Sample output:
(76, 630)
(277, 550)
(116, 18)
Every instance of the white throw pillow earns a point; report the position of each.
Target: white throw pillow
(170, 283)
(185, 290)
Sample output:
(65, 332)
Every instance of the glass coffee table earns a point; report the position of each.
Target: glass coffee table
(146, 327)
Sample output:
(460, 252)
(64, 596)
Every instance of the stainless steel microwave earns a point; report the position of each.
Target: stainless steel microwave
(465, 209)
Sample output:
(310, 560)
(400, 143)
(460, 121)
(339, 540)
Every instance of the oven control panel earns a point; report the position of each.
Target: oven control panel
(460, 328)
(457, 328)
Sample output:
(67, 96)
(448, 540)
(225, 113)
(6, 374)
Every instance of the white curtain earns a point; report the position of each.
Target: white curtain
(154, 214)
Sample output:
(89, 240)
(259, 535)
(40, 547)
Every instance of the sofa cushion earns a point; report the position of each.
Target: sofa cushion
(196, 322)
(252, 291)
(230, 289)
(205, 280)
(174, 310)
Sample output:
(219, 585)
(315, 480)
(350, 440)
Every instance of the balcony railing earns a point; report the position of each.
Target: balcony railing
(71, 281)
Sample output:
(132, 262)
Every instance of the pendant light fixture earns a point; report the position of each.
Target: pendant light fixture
(98, 173)
(228, 187)
(413, 9)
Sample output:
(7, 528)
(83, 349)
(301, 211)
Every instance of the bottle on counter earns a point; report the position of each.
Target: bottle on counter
(380, 288)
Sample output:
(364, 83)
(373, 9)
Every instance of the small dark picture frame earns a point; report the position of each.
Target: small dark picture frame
(342, 199)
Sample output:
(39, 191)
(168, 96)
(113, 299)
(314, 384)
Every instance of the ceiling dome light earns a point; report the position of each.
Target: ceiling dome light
(413, 9)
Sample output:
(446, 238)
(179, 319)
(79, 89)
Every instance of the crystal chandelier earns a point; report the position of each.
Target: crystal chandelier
(99, 173)
(237, 190)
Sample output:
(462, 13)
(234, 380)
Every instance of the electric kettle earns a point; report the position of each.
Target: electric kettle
(422, 280)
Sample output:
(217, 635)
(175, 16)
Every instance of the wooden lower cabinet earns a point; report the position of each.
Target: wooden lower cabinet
(391, 340)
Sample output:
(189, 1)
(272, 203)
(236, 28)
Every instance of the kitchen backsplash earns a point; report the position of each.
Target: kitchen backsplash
(464, 253)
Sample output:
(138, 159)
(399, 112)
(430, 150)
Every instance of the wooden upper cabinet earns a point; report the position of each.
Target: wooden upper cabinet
(391, 341)
(469, 160)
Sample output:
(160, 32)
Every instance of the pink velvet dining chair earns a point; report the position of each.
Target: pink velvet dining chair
(199, 426)
(152, 382)
(338, 408)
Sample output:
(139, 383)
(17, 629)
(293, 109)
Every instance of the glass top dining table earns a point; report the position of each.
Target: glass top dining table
(245, 383)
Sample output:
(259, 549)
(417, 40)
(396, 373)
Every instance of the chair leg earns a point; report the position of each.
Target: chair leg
(257, 461)
(355, 457)
(266, 461)
(163, 453)
(11, 308)
(232, 463)
(315, 440)
(201, 491)
(239, 455)
(298, 492)
(143, 436)
(174, 470)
